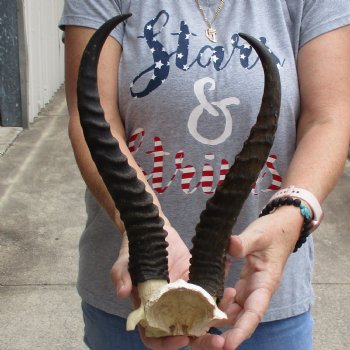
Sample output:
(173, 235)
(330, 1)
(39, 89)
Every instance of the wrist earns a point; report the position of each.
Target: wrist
(290, 216)
(277, 202)
(307, 199)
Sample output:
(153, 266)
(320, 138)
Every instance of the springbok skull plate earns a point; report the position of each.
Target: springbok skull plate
(178, 308)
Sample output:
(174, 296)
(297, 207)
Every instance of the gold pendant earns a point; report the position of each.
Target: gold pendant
(210, 33)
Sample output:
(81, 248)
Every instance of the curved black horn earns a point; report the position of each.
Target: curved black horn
(222, 209)
(147, 245)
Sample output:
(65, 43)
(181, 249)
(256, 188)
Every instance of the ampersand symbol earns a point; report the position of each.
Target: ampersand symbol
(197, 112)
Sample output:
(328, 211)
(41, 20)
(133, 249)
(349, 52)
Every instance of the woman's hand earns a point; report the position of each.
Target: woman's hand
(265, 246)
(120, 271)
(178, 256)
(178, 263)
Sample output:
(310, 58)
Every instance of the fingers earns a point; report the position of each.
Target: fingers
(169, 343)
(228, 298)
(243, 328)
(175, 343)
(252, 313)
(178, 256)
(208, 342)
(242, 331)
(229, 306)
(235, 247)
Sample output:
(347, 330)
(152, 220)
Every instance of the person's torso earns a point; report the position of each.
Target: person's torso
(188, 104)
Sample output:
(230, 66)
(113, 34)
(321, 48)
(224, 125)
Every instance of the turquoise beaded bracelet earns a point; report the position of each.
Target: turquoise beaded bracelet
(304, 211)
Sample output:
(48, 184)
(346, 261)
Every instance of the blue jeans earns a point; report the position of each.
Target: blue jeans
(104, 331)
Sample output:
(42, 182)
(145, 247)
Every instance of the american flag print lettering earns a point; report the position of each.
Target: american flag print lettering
(276, 178)
(161, 66)
(174, 168)
(158, 166)
(210, 177)
(183, 44)
(165, 59)
(137, 136)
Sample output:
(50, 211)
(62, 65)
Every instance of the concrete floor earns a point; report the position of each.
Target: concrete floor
(42, 215)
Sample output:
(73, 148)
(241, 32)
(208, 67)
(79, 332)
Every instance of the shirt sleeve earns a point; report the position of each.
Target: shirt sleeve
(321, 16)
(93, 13)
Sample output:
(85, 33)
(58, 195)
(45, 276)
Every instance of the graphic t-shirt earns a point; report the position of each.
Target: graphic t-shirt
(188, 104)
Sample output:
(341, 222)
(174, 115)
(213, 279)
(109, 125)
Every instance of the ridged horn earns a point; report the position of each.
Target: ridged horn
(147, 245)
(222, 209)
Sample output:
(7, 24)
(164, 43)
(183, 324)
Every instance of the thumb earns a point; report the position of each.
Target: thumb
(252, 239)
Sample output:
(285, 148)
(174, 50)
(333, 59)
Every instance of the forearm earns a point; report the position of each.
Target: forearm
(320, 155)
(93, 179)
(76, 40)
(324, 124)
(90, 174)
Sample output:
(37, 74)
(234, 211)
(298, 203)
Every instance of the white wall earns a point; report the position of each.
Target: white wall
(45, 52)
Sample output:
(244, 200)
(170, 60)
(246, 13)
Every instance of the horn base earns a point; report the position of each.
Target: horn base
(178, 308)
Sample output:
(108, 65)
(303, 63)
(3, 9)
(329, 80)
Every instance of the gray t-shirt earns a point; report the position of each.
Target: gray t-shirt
(188, 104)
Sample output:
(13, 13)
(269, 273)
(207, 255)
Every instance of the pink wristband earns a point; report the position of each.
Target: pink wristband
(308, 198)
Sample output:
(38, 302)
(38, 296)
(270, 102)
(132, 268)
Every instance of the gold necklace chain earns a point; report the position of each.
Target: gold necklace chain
(210, 32)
